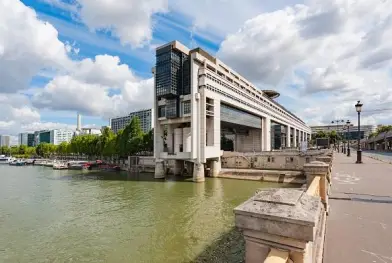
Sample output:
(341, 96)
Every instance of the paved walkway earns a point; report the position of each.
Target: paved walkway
(359, 225)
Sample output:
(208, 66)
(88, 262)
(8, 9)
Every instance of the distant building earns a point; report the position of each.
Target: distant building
(365, 130)
(144, 116)
(53, 136)
(92, 131)
(5, 140)
(26, 139)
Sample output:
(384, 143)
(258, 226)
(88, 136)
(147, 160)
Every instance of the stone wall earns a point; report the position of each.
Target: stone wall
(274, 160)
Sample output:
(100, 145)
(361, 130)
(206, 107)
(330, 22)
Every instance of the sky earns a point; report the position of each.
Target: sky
(60, 57)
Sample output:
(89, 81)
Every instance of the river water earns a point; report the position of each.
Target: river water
(70, 216)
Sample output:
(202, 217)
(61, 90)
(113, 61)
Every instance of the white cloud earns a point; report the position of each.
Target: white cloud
(340, 47)
(27, 45)
(68, 93)
(104, 69)
(129, 20)
(223, 16)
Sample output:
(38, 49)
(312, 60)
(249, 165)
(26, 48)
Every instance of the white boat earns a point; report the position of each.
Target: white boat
(59, 166)
(6, 159)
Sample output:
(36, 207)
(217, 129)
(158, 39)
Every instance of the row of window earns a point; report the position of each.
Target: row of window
(209, 76)
(257, 96)
(167, 111)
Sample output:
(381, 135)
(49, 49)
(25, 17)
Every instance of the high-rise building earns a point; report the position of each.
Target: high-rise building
(5, 140)
(26, 139)
(53, 136)
(145, 117)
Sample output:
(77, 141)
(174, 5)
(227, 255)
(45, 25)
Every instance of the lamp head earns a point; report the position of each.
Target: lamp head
(358, 106)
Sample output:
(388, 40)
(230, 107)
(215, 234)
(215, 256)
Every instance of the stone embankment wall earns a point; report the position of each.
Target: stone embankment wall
(288, 225)
(279, 160)
(281, 167)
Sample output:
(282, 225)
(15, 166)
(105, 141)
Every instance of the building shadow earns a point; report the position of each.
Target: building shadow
(228, 248)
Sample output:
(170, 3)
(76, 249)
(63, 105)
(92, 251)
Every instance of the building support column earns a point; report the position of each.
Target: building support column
(159, 170)
(288, 136)
(267, 134)
(198, 172)
(215, 168)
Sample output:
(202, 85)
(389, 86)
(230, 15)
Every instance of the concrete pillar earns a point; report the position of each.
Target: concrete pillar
(267, 134)
(178, 167)
(169, 139)
(159, 170)
(198, 172)
(321, 169)
(215, 168)
(288, 135)
(295, 138)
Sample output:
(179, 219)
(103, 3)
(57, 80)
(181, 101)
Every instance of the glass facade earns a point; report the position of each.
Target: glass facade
(44, 137)
(234, 115)
(186, 106)
(30, 139)
(172, 76)
(172, 108)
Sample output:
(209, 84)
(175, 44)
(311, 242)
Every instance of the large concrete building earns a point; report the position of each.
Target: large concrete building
(199, 100)
(145, 117)
(5, 140)
(364, 131)
(53, 136)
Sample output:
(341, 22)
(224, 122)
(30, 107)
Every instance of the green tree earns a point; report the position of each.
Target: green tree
(22, 149)
(5, 150)
(148, 141)
(384, 128)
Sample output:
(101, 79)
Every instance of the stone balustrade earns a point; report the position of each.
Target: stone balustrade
(287, 225)
(280, 160)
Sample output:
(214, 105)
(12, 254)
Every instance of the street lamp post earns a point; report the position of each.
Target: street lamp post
(348, 139)
(358, 108)
(337, 134)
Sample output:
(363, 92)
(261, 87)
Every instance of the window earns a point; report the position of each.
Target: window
(186, 105)
(161, 111)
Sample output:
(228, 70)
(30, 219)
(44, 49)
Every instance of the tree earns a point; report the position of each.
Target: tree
(383, 128)
(5, 150)
(22, 149)
(148, 141)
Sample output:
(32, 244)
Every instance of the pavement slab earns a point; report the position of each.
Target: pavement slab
(359, 225)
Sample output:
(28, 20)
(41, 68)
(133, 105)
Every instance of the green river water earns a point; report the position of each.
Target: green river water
(70, 216)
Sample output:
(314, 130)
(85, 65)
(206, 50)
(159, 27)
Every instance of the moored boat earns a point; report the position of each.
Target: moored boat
(60, 166)
(6, 159)
(17, 163)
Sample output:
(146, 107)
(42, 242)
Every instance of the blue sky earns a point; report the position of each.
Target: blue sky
(167, 27)
(95, 56)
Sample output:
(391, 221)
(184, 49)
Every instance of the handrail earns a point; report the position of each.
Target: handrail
(277, 256)
(314, 187)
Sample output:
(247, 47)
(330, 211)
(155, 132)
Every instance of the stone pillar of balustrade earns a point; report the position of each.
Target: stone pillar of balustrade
(321, 169)
(282, 219)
